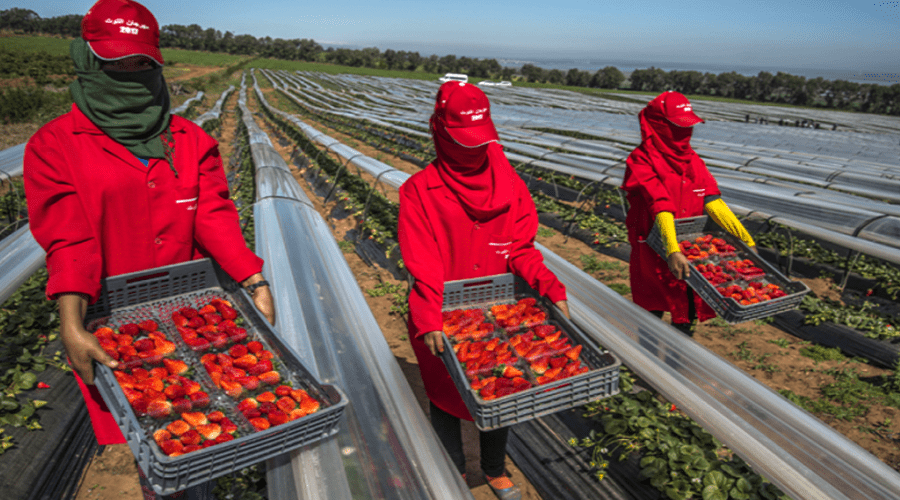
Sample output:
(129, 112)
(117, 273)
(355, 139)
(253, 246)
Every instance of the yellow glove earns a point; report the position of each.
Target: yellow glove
(665, 221)
(719, 212)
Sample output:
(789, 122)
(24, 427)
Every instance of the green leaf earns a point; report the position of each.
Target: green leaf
(715, 478)
(27, 380)
(615, 427)
(675, 494)
(712, 492)
(9, 404)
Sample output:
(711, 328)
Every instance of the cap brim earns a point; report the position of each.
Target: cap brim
(686, 120)
(112, 51)
(472, 137)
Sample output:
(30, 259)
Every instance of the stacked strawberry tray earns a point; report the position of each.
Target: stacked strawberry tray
(736, 282)
(204, 387)
(515, 357)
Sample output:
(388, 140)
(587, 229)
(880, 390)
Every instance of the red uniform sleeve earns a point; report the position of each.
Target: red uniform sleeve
(705, 178)
(525, 260)
(421, 257)
(57, 218)
(641, 179)
(218, 228)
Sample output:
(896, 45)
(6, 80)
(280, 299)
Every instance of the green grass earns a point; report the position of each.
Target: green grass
(60, 46)
(334, 69)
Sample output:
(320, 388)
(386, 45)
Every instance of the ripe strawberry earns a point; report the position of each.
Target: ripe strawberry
(223, 438)
(127, 350)
(215, 416)
(237, 334)
(140, 406)
(178, 427)
(234, 373)
(264, 355)
(246, 361)
(238, 350)
(196, 322)
(252, 413)
(296, 413)
(278, 417)
(209, 431)
(175, 366)
(255, 346)
(164, 346)
(160, 373)
(199, 399)
(286, 404)
(172, 447)
(271, 378)
(227, 312)
(104, 332)
(249, 382)
(539, 366)
(212, 318)
(247, 404)
(228, 426)
(190, 437)
(181, 405)
(129, 329)
(510, 371)
(175, 392)
(188, 312)
(299, 394)
(266, 397)
(224, 360)
(198, 344)
(309, 405)
(283, 390)
(189, 448)
(179, 319)
(208, 308)
(233, 389)
(260, 423)
(574, 352)
(143, 345)
(148, 325)
(161, 435)
(194, 418)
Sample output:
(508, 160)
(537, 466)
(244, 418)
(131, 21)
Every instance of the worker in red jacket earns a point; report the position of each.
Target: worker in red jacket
(119, 185)
(466, 215)
(666, 180)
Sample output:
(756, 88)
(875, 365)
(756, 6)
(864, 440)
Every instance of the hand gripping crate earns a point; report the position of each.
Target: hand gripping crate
(600, 382)
(727, 308)
(159, 289)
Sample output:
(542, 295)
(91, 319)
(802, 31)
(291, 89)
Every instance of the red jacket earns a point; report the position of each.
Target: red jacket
(439, 243)
(98, 211)
(653, 186)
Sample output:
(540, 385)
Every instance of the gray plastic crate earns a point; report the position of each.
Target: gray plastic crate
(154, 289)
(727, 308)
(600, 382)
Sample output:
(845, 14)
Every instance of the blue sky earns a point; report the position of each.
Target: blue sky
(838, 35)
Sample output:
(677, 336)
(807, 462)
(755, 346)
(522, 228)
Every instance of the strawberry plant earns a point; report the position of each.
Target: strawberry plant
(864, 318)
(678, 457)
(606, 231)
(28, 323)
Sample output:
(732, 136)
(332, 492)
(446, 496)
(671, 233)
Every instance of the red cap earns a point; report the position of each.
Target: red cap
(677, 109)
(466, 113)
(115, 29)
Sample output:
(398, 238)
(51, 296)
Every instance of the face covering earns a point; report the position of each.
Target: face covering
(479, 177)
(130, 107)
(670, 140)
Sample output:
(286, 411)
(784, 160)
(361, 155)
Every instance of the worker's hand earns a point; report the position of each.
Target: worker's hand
(434, 341)
(82, 349)
(564, 307)
(262, 299)
(679, 265)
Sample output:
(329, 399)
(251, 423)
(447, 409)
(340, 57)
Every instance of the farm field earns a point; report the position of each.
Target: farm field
(852, 395)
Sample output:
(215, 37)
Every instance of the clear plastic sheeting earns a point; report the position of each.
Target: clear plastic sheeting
(186, 104)
(20, 257)
(800, 454)
(216, 111)
(11, 161)
(386, 448)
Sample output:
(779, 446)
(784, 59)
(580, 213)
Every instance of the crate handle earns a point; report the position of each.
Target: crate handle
(478, 283)
(147, 277)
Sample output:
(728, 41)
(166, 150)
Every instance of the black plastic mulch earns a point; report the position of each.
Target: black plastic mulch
(48, 464)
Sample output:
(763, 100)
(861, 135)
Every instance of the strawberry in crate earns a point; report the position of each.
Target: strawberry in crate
(244, 367)
(754, 293)
(481, 357)
(714, 274)
(550, 355)
(745, 268)
(135, 344)
(162, 390)
(194, 431)
(509, 380)
(466, 324)
(705, 246)
(523, 313)
(213, 325)
(284, 405)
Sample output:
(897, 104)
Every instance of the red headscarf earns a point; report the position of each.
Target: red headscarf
(658, 132)
(480, 177)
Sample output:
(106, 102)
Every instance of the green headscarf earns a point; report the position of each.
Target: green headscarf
(130, 107)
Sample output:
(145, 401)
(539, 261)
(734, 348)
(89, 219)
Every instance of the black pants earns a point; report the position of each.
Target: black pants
(493, 443)
(685, 328)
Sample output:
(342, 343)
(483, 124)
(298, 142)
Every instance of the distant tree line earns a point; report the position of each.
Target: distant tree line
(764, 87)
